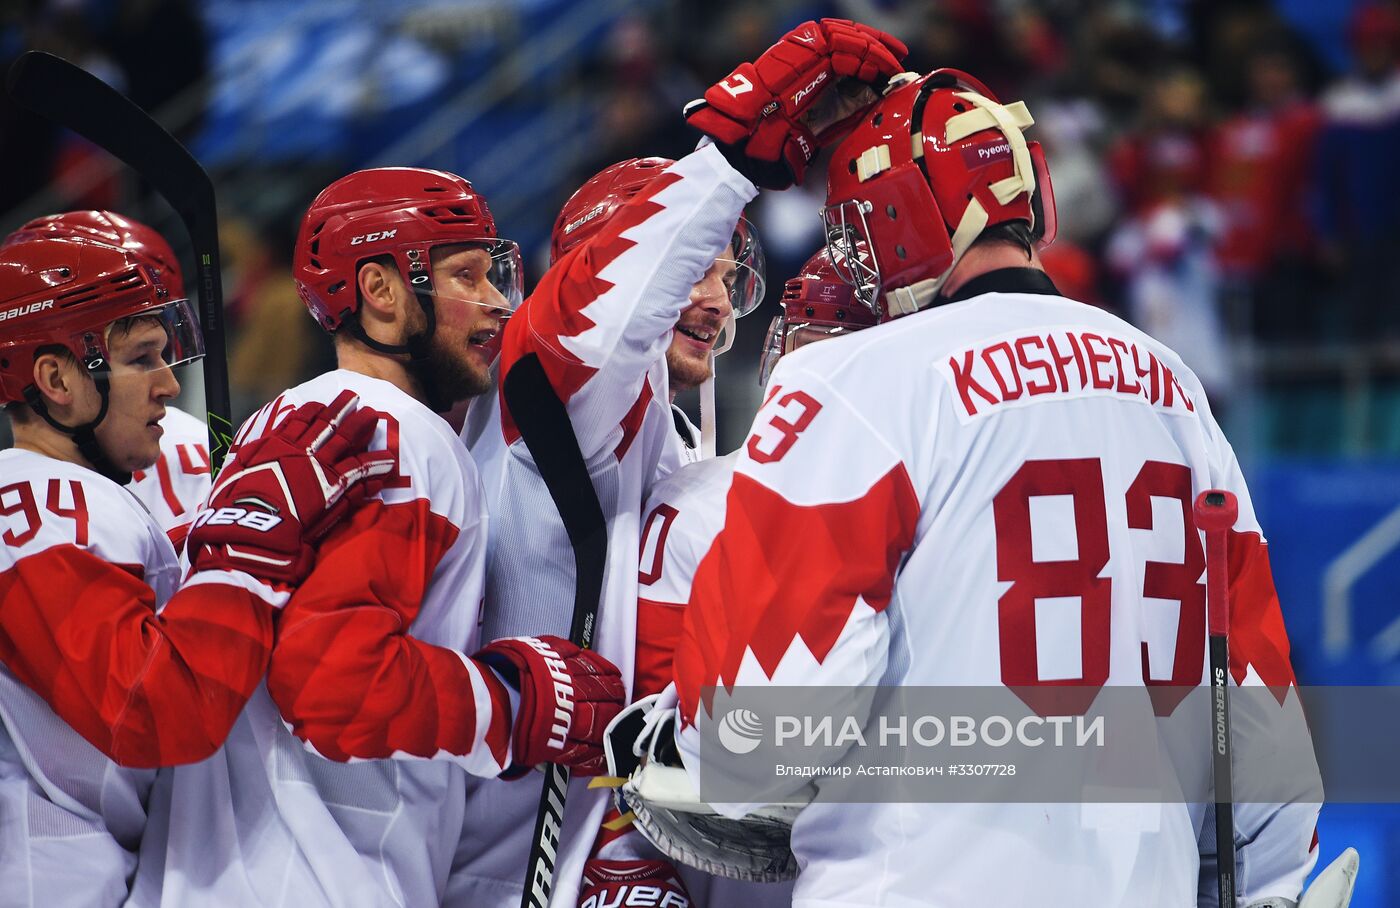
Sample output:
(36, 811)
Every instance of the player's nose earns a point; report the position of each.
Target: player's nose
(164, 384)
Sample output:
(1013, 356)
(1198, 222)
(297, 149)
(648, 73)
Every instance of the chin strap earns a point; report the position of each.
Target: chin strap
(85, 435)
(708, 423)
(416, 348)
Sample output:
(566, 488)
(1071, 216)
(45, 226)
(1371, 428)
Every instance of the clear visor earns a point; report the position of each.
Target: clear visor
(852, 253)
(147, 342)
(749, 284)
(490, 275)
(784, 336)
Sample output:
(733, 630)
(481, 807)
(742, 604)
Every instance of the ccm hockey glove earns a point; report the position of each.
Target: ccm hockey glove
(755, 114)
(568, 696)
(286, 490)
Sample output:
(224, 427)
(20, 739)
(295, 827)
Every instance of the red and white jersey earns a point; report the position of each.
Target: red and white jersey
(370, 662)
(600, 322)
(84, 569)
(995, 491)
(173, 488)
(683, 515)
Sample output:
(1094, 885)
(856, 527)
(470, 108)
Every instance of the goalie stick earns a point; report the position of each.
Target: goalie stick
(73, 98)
(1215, 514)
(544, 425)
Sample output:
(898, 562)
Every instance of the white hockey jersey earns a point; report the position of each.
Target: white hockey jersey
(70, 819)
(684, 514)
(996, 491)
(682, 517)
(176, 484)
(600, 322)
(370, 662)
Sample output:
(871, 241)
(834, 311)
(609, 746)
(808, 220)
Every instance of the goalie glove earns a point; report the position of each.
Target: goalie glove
(654, 787)
(286, 490)
(568, 696)
(756, 113)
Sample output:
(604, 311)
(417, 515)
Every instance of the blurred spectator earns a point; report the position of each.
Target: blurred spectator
(1164, 158)
(1260, 166)
(1358, 183)
(1172, 286)
(275, 342)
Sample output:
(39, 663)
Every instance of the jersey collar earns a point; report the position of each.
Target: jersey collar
(1005, 280)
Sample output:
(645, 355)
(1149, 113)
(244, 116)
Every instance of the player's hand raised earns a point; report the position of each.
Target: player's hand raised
(287, 489)
(757, 113)
(568, 696)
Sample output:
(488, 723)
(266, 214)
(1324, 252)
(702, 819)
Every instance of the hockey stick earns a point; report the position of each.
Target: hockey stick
(544, 425)
(1216, 511)
(74, 98)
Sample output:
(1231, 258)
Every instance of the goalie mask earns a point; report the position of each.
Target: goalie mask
(114, 230)
(930, 167)
(817, 304)
(71, 293)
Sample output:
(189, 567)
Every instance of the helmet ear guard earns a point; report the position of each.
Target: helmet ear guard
(1046, 226)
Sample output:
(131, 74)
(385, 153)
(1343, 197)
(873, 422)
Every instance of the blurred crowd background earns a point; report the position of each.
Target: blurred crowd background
(1227, 175)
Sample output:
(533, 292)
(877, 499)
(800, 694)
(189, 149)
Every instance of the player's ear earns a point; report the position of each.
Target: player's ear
(380, 290)
(56, 375)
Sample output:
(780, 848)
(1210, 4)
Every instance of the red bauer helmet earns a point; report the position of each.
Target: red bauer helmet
(64, 291)
(817, 304)
(398, 211)
(932, 165)
(114, 230)
(599, 199)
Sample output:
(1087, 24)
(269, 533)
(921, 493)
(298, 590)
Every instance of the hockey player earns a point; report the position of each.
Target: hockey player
(103, 659)
(732, 288)
(600, 323)
(176, 484)
(684, 512)
(404, 267)
(909, 497)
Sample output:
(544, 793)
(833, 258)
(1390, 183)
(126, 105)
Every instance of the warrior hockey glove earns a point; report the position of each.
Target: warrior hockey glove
(608, 883)
(286, 490)
(567, 698)
(756, 113)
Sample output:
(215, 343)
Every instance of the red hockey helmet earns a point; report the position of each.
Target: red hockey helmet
(114, 230)
(932, 165)
(399, 211)
(817, 304)
(596, 201)
(63, 291)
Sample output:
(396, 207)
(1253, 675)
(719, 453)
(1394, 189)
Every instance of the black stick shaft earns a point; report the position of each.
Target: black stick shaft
(544, 426)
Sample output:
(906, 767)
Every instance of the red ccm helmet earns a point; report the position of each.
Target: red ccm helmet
(817, 304)
(932, 165)
(398, 211)
(60, 291)
(597, 201)
(114, 230)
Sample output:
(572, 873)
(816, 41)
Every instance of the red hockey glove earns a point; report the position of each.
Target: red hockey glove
(655, 883)
(755, 114)
(567, 698)
(286, 490)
